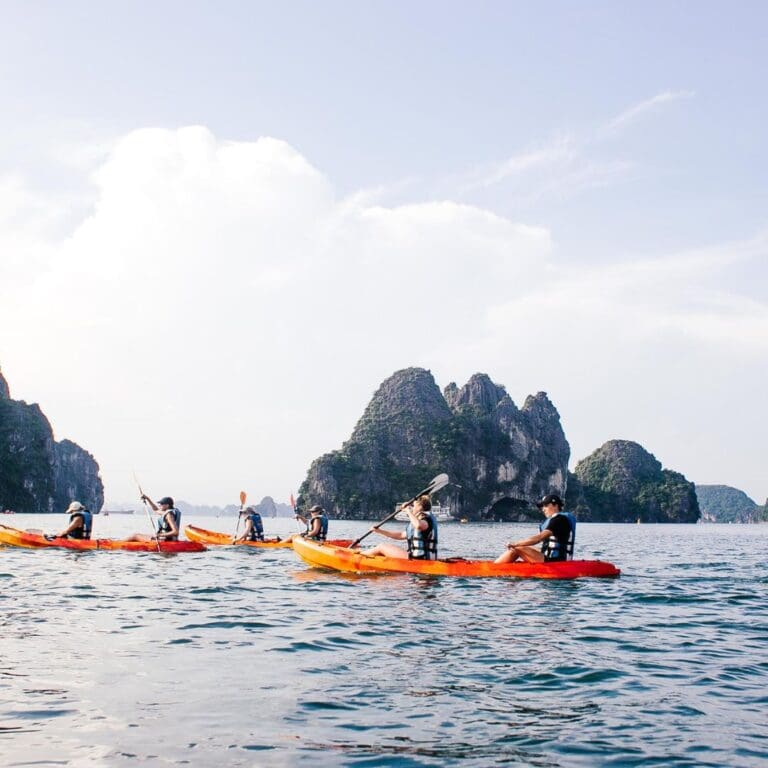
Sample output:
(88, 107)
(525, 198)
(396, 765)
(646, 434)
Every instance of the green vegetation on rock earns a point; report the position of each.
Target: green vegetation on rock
(501, 458)
(622, 482)
(723, 504)
(38, 474)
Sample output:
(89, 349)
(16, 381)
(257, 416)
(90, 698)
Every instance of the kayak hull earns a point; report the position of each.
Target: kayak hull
(13, 537)
(217, 538)
(193, 533)
(343, 559)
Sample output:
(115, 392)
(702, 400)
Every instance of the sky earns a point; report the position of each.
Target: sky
(223, 225)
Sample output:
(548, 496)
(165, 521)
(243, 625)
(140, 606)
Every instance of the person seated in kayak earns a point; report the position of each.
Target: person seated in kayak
(556, 535)
(80, 522)
(420, 534)
(254, 527)
(317, 524)
(169, 524)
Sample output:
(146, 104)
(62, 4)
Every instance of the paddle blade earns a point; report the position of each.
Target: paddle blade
(242, 498)
(438, 483)
(293, 502)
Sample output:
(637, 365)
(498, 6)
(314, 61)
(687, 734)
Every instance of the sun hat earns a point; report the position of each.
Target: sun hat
(75, 506)
(166, 500)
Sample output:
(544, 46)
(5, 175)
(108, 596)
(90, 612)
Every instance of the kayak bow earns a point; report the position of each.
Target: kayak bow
(337, 558)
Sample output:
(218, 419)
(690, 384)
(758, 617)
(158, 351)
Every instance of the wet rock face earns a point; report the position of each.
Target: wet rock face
(38, 474)
(622, 482)
(501, 458)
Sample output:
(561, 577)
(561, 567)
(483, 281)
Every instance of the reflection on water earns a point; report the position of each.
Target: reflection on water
(243, 657)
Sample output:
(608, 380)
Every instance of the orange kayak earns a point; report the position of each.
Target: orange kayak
(13, 537)
(194, 533)
(344, 559)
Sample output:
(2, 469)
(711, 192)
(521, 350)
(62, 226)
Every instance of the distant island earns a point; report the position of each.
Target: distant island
(267, 507)
(724, 504)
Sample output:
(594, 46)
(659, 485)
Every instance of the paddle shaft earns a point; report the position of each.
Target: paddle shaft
(239, 514)
(435, 485)
(149, 514)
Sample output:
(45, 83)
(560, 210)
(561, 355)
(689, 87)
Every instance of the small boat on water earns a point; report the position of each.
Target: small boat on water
(12, 537)
(337, 558)
(440, 513)
(217, 538)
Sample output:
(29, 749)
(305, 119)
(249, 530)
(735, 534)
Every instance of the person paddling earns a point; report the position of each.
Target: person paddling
(556, 535)
(80, 522)
(254, 527)
(420, 534)
(316, 526)
(169, 524)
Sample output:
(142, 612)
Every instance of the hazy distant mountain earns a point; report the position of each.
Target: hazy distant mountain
(267, 507)
(724, 504)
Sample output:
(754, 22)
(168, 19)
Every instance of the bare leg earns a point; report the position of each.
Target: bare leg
(527, 554)
(386, 550)
(140, 537)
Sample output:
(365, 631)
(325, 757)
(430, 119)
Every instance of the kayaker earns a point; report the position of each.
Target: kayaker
(169, 524)
(420, 534)
(316, 525)
(80, 522)
(254, 527)
(556, 536)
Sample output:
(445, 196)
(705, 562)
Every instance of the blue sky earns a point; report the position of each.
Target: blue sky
(614, 157)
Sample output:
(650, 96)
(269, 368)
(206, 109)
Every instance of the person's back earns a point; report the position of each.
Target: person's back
(254, 525)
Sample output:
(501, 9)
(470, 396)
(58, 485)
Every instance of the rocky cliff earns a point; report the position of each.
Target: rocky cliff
(723, 504)
(38, 474)
(621, 482)
(501, 458)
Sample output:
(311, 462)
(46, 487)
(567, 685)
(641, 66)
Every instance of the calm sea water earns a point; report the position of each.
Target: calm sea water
(240, 657)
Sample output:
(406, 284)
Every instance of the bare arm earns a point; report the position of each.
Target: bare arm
(73, 526)
(399, 535)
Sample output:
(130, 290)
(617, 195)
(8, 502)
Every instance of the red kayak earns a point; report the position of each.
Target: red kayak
(345, 559)
(13, 537)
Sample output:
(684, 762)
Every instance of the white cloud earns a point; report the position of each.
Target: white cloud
(632, 113)
(222, 318)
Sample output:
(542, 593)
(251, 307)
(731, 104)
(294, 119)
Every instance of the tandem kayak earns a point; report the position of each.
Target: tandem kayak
(225, 539)
(344, 559)
(194, 533)
(13, 537)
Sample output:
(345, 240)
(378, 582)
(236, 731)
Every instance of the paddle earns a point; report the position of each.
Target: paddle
(435, 484)
(239, 514)
(295, 514)
(146, 508)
